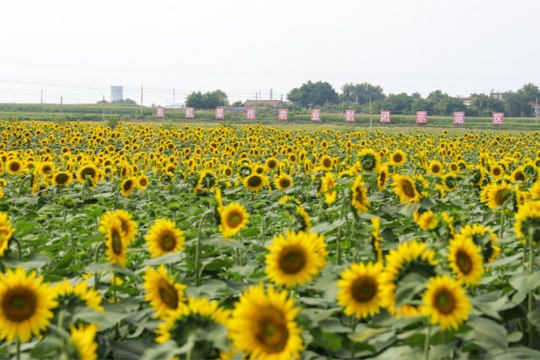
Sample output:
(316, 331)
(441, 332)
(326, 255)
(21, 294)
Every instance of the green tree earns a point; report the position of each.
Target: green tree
(362, 93)
(313, 94)
(396, 103)
(448, 105)
(420, 104)
(485, 105)
(208, 100)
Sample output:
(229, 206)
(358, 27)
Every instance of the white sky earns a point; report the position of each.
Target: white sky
(79, 48)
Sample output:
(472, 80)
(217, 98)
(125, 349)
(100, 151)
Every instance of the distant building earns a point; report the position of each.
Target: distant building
(467, 100)
(117, 93)
(497, 96)
(264, 103)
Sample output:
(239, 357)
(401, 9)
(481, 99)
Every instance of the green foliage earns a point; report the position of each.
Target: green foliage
(208, 100)
(311, 94)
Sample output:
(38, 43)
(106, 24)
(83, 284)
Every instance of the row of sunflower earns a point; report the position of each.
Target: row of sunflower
(382, 244)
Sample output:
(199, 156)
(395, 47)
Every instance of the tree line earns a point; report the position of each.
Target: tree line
(360, 97)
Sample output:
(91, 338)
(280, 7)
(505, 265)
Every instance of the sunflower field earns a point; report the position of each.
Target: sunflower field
(229, 242)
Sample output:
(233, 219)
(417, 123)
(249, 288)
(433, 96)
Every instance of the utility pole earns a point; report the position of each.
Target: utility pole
(370, 117)
(103, 107)
(141, 97)
(174, 96)
(41, 96)
(536, 112)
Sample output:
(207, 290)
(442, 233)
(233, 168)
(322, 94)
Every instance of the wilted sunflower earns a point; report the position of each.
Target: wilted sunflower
(527, 220)
(163, 293)
(359, 195)
(466, 260)
(446, 303)
(163, 238)
(404, 187)
(14, 167)
(270, 317)
(84, 339)
(398, 158)
(71, 296)
(484, 238)
(128, 185)
(283, 182)
(129, 226)
(25, 305)
(115, 241)
(293, 259)
(410, 257)
(255, 182)
(6, 231)
(61, 179)
(360, 291)
(233, 219)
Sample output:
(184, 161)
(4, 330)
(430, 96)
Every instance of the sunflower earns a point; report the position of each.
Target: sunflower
(527, 220)
(360, 291)
(359, 195)
(84, 339)
(163, 238)
(398, 158)
(427, 221)
(89, 171)
(519, 174)
(446, 303)
(272, 163)
(369, 160)
(25, 305)
(382, 178)
(535, 190)
(405, 188)
(283, 182)
(497, 171)
(466, 260)
(498, 194)
(129, 227)
(233, 219)
(293, 259)
(302, 218)
(115, 240)
(328, 183)
(46, 168)
(142, 182)
(326, 163)
(163, 293)
(255, 182)
(70, 295)
(61, 179)
(128, 185)
(376, 237)
(196, 314)
(410, 257)
(14, 167)
(270, 317)
(435, 167)
(482, 237)
(6, 231)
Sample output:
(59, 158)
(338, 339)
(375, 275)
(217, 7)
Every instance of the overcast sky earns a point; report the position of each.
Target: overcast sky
(78, 49)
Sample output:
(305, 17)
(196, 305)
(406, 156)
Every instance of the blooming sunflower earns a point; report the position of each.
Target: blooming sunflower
(233, 219)
(6, 230)
(369, 160)
(271, 163)
(360, 291)
(129, 226)
(293, 259)
(89, 171)
(84, 339)
(163, 238)
(283, 182)
(25, 305)
(70, 295)
(328, 182)
(382, 177)
(14, 167)
(142, 182)
(435, 167)
(61, 179)
(270, 317)
(115, 240)
(359, 195)
(398, 158)
(446, 303)
(484, 238)
(164, 294)
(427, 221)
(405, 188)
(255, 182)
(326, 163)
(535, 190)
(527, 221)
(497, 194)
(409, 257)
(466, 260)
(128, 185)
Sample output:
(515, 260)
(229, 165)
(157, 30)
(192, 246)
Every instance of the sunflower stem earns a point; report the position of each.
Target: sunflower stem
(530, 304)
(501, 230)
(427, 340)
(19, 248)
(29, 176)
(18, 349)
(96, 260)
(198, 250)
